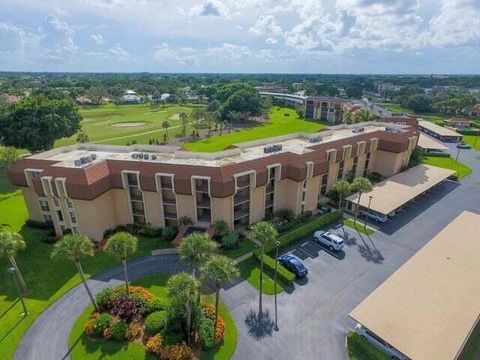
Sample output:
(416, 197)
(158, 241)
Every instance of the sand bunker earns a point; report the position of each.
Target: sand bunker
(128, 124)
(175, 116)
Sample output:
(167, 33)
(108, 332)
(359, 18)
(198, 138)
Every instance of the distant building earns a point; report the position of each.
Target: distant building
(131, 97)
(83, 100)
(272, 89)
(458, 122)
(475, 111)
(297, 86)
(325, 109)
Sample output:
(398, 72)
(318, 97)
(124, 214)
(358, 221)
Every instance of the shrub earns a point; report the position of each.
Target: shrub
(307, 215)
(134, 331)
(157, 304)
(230, 241)
(220, 329)
(284, 215)
(185, 220)
(119, 330)
(155, 344)
(173, 332)
(269, 265)
(105, 299)
(206, 333)
(208, 310)
(155, 322)
(169, 233)
(142, 293)
(221, 228)
(107, 333)
(150, 232)
(177, 352)
(128, 308)
(101, 323)
(89, 330)
(359, 348)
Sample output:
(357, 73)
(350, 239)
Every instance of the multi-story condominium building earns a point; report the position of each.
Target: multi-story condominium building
(325, 109)
(91, 188)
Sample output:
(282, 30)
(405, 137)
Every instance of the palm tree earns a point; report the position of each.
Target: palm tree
(121, 245)
(347, 117)
(343, 189)
(196, 249)
(360, 185)
(183, 119)
(166, 125)
(182, 287)
(10, 244)
(219, 269)
(73, 248)
(262, 232)
(366, 115)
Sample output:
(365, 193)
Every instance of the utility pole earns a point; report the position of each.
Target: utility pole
(368, 212)
(277, 244)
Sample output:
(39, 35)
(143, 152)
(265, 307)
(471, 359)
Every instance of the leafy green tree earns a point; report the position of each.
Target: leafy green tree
(121, 245)
(8, 156)
(35, 122)
(184, 121)
(197, 115)
(82, 137)
(10, 244)
(343, 189)
(196, 249)
(366, 115)
(213, 106)
(360, 185)
(219, 270)
(183, 288)
(243, 101)
(262, 233)
(74, 247)
(166, 125)
(96, 94)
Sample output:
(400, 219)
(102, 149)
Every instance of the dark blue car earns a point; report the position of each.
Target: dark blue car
(293, 264)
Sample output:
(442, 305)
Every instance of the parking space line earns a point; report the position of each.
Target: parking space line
(304, 251)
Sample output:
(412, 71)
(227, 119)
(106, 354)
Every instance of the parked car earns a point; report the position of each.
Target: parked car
(374, 216)
(293, 264)
(463, 145)
(326, 238)
(379, 343)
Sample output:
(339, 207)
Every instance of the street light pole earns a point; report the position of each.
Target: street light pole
(11, 270)
(458, 154)
(368, 212)
(277, 243)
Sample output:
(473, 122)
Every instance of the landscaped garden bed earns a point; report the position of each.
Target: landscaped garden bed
(359, 348)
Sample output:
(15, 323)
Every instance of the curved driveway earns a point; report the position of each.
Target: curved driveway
(47, 338)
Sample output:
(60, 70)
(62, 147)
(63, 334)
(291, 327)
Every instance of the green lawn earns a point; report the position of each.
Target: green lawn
(49, 279)
(246, 247)
(85, 348)
(471, 350)
(359, 227)
(250, 271)
(282, 121)
(462, 170)
(397, 108)
(98, 120)
(471, 139)
(360, 349)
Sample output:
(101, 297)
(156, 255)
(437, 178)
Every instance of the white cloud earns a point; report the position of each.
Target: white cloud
(266, 25)
(271, 41)
(229, 52)
(118, 52)
(209, 8)
(97, 38)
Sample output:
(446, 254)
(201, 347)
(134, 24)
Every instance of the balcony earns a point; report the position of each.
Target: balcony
(268, 202)
(136, 198)
(243, 182)
(170, 216)
(203, 202)
(140, 212)
(201, 187)
(238, 214)
(166, 185)
(269, 189)
(240, 199)
(169, 200)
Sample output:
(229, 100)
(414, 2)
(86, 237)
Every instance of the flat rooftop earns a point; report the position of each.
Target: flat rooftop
(437, 129)
(299, 143)
(427, 143)
(428, 308)
(392, 193)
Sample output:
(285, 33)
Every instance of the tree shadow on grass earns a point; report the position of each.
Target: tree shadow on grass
(21, 318)
(101, 347)
(259, 325)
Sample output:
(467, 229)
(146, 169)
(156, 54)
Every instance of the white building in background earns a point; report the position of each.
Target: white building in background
(131, 96)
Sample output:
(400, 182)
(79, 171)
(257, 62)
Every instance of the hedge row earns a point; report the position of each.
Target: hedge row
(302, 231)
(467, 131)
(437, 154)
(360, 349)
(269, 265)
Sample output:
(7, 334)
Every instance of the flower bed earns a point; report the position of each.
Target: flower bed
(153, 322)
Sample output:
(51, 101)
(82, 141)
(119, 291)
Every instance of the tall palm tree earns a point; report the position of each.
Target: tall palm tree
(74, 247)
(10, 244)
(196, 249)
(366, 115)
(183, 119)
(219, 269)
(262, 232)
(121, 245)
(343, 189)
(360, 185)
(183, 287)
(166, 125)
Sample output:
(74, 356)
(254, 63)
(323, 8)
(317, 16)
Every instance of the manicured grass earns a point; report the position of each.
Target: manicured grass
(396, 108)
(393, 107)
(98, 120)
(48, 278)
(360, 349)
(471, 351)
(470, 139)
(462, 170)
(250, 271)
(359, 227)
(282, 121)
(85, 348)
(246, 247)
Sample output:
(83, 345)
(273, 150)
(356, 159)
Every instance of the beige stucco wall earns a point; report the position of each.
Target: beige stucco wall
(313, 189)
(360, 165)
(222, 208)
(186, 206)
(121, 206)
(288, 195)
(347, 166)
(33, 206)
(153, 208)
(332, 175)
(257, 207)
(387, 163)
(96, 216)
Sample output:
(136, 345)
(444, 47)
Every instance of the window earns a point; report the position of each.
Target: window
(340, 170)
(73, 217)
(56, 202)
(47, 219)
(323, 187)
(69, 204)
(75, 230)
(60, 215)
(44, 205)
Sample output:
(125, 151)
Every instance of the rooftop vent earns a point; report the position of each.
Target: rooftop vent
(392, 129)
(358, 130)
(77, 162)
(315, 140)
(154, 157)
(272, 149)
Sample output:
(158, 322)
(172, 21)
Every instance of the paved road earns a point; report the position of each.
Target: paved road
(47, 338)
(313, 317)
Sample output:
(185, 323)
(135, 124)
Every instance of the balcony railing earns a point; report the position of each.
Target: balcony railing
(169, 200)
(241, 213)
(166, 185)
(138, 212)
(204, 203)
(136, 197)
(202, 187)
(239, 199)
(170, 216)
(242, 182)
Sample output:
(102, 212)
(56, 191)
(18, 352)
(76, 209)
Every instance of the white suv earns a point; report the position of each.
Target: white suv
(326, 238)
(379, 343)
(374, 216)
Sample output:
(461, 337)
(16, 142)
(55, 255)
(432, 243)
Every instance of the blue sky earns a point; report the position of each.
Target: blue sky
(293, 36)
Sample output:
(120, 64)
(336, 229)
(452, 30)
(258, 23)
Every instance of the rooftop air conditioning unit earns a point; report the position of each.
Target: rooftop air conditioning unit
(83, 160)
(94, 156)
(146, 156)
(77, 162)
(154, 157)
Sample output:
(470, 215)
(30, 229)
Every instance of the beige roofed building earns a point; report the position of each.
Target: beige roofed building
(428, 144)
(428, 308)
(438, 131)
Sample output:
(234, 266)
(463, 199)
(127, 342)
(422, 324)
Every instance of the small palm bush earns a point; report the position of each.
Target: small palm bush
(155, 322)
